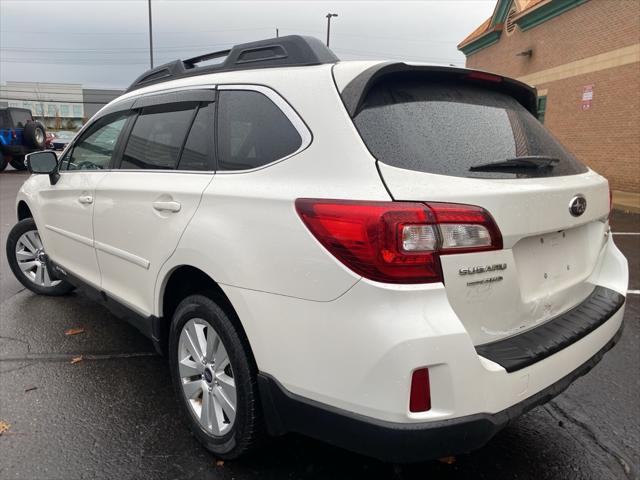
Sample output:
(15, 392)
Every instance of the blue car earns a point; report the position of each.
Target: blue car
(19, 134)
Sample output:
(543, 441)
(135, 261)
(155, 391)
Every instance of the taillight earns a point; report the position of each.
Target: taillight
(398, 242)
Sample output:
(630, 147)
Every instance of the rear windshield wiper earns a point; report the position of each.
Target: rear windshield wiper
(530, 162)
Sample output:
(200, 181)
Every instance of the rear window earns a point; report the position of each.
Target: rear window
(448, 129)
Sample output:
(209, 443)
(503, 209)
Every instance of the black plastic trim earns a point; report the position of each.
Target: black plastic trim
(181, 96)
(520, 351)
(118, 106)
(149, 326)
(287, 51)
(398, 442)
(354, 94)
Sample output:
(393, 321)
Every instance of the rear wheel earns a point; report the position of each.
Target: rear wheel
(214, 379)
(28, 260)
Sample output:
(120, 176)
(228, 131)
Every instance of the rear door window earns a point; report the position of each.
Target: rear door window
(252, 131)
(447, 129)
(157, 137)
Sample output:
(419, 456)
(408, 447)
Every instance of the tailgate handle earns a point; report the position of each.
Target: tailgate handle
(85, 199)
(167, 206)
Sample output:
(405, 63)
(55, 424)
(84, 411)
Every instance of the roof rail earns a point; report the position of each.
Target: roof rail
(289, 51)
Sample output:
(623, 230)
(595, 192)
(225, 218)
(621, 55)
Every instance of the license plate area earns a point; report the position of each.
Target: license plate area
(550, 263)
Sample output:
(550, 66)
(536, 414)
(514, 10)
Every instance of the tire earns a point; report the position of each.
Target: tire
(198, 313)
(17, 162)
(39, 279)
(34, 135)
(4, 161)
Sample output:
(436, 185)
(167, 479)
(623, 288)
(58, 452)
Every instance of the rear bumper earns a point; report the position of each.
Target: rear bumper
(400, 442)
(520, 351)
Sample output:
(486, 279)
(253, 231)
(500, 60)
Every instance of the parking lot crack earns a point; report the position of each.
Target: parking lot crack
(56, 357)
(626, 465)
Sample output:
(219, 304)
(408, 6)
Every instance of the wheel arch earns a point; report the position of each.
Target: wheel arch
(182, 281)
(23, 210)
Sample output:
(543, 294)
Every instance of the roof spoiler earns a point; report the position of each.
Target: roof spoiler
(354, 94)
(288, 51)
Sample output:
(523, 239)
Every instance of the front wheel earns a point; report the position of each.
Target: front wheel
(28, 260)
(4, 161)
(214, 378)
(17, 162)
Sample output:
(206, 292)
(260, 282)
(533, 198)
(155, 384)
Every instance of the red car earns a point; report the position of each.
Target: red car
(48, 141)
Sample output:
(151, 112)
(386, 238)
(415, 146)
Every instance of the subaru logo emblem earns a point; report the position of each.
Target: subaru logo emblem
(578, 205)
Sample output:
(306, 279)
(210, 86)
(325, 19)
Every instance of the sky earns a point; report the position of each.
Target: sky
(105, 43)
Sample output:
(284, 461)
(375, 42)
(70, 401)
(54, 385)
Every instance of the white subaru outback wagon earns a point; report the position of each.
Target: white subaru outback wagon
(397, 259)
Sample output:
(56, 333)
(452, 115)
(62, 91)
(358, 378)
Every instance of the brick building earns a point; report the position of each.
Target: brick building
(584, 58)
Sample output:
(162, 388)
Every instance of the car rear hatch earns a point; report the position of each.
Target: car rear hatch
(457, 136)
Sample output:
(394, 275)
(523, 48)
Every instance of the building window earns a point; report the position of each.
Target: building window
(51, 110)
(542, 107)
(510, 24)
(77, 111)
(64, 110)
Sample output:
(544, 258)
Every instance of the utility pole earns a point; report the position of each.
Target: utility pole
(150, 36)
(329, 15)
(277, 32)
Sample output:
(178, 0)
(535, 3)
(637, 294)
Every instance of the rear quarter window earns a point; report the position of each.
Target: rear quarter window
(5, 120)
(448, 128)
(252, 131)
(20, 118)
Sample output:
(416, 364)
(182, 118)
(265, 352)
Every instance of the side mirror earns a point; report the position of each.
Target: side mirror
(44, 163)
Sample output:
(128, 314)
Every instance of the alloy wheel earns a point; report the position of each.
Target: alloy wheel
(206, 377)
(32, 259)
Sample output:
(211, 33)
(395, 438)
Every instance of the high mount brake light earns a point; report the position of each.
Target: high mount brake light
(398, 242)
(487, 77)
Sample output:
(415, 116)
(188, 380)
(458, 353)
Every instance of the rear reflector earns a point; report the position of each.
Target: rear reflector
(398, 242)
(420, 397)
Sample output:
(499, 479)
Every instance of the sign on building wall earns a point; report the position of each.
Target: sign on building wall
(587, 96)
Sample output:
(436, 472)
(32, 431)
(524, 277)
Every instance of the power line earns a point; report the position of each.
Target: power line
(63, 91)
(174, 32)
(398, 55)
(61, 61)
(38, 100)
(118, 51)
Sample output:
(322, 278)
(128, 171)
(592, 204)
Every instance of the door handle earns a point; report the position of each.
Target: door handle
(85, 199)
(167, 206)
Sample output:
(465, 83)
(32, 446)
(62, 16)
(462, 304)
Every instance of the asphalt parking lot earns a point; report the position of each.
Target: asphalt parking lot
(114, 414)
